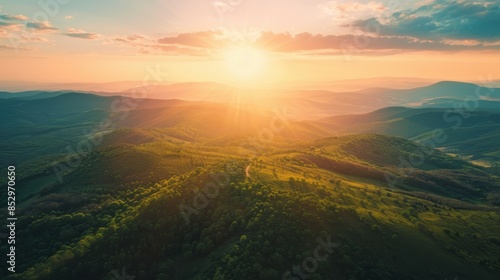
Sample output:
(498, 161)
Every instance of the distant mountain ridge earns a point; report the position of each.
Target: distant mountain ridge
(474, 132)
(312, 113)
(310, 104)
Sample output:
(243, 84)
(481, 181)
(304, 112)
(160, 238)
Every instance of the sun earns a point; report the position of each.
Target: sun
(244, 62)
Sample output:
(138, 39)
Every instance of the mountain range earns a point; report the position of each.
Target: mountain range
(206, 181)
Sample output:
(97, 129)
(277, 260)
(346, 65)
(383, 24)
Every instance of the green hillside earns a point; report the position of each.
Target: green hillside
(159, 193)
(471, 133)
(169, 207)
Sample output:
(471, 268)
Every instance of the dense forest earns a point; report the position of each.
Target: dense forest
(180, 209)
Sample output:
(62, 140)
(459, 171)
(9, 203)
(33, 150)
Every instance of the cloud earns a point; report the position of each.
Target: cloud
(318, 43)
(17, 36)
(68, 17)
(441, 20)
(28, 39)
(205, 43)
(204, 39)
(342, 11)
(13, 17)
(337, 7)
(130, 39)
(4, 24)
(177, 50)
(212, 39)
(41, 26)
(462, 42)
(358, 43)
(80, 34)
(148, 45)
(15, 48)
(6, 47)
(9, 26)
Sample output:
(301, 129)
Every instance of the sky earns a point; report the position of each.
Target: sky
(247, 41)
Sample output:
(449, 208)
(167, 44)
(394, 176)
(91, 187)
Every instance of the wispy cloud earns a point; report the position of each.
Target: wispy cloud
(9, 25)
(147, 45)
(31, 39)
(13, 17)
(341, 11)
(205, 39)
(11, 48)
(81, 34)
(132, 39)
(212, 39)
(41, 26)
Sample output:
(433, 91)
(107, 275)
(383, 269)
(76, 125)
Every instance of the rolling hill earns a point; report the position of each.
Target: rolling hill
(110, 187)
(308, 104)
(468, 133)
(142, 206)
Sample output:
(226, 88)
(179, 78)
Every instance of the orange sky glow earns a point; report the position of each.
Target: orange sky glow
(246, 42)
